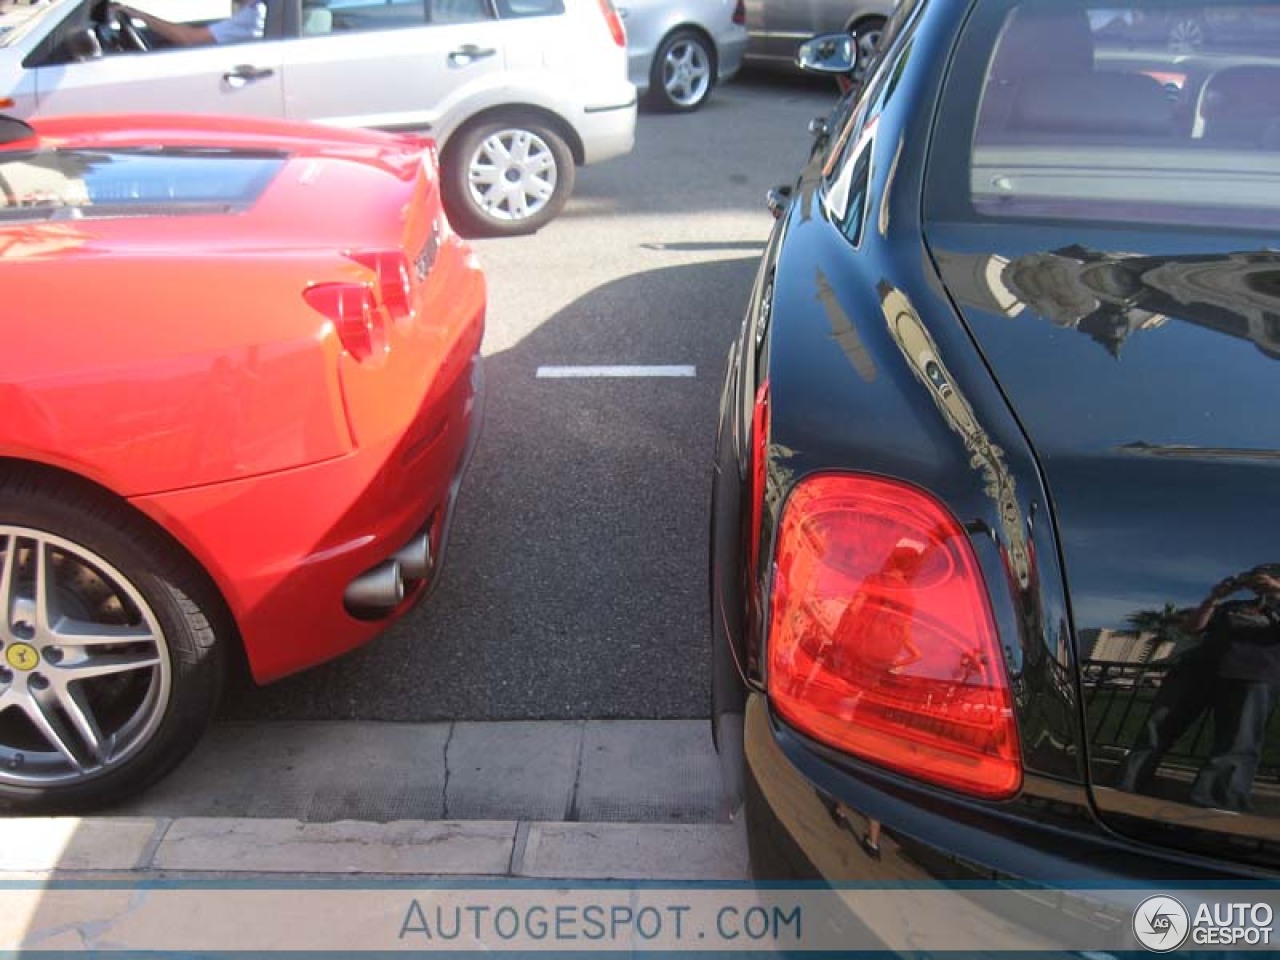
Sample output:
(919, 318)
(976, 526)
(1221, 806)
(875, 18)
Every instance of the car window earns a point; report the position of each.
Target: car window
(508, 9)
(65, 43)
(848, 171)
(187, 11)
(902, 14)
(325, 16)
(459, 11)
(1150, 111)
(19, 19)
(79, 184)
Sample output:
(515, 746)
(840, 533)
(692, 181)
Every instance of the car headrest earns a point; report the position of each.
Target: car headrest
(1251, 91)
(1127, 103)
(1039, 43)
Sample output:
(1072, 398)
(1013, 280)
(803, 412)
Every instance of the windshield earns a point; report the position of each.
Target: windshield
(19, 19)
(76, 184)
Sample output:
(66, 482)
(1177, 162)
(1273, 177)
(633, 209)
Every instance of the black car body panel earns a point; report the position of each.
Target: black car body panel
(1088, 400)
(1185, 455)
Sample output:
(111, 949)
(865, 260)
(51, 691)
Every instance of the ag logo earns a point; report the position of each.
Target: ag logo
(1161, 924)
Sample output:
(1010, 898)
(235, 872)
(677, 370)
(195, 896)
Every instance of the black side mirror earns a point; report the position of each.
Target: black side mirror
(832, 54)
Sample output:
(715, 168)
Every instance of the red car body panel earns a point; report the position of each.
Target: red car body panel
(174, 361)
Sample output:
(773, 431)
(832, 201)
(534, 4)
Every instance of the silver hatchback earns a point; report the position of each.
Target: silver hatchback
(515, 92)
(679, 49)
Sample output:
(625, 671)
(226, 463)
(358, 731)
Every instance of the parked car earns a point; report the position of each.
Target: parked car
(994, 587)
(1187, 29)
(679, 51)
(778, 27)
(516, 92)
(241, 382)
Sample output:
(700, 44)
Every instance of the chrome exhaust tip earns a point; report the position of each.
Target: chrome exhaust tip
(378, 589)
(415, 557)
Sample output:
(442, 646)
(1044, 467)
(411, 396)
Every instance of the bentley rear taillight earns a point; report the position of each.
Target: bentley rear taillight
(740, 13)
(881, 640)
(361, 326)
(394, 286)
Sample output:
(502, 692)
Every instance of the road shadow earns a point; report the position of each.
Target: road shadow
(575, 585)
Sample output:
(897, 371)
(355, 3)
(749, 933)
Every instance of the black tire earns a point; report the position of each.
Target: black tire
(192, 632)
(666, 95)
(471, 146)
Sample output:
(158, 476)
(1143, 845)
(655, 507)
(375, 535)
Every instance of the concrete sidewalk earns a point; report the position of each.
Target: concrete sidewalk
(131, 850)
(622, 771)
(588, 800)
(196, 886)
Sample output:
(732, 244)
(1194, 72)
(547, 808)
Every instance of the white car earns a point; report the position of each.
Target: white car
(516, 93)
(680, 49)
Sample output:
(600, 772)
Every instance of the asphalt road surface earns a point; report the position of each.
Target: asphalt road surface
(575, 584)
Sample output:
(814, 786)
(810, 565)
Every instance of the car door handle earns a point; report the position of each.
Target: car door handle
(245, 74)
(469, 53)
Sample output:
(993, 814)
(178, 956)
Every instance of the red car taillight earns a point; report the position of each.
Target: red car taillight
(759, 461)
(393, 279)
(611, 17)
(881, 639)
(740, 13)
(361, 326)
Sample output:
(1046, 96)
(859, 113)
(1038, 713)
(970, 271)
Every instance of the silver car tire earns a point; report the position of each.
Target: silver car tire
(683, 72)
(506, 176)
(112, 648)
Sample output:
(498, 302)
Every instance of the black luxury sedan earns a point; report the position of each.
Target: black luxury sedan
(996, 515)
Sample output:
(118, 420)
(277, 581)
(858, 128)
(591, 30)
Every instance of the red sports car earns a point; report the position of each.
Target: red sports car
(240, 382)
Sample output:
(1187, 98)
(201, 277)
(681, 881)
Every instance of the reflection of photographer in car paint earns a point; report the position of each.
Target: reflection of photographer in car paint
(247, 22)
(1234, 674)
(1245, 636)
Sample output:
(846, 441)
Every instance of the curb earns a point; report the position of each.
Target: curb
(136, 848)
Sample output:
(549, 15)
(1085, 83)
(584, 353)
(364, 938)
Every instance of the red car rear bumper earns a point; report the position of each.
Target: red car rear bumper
(284, 547)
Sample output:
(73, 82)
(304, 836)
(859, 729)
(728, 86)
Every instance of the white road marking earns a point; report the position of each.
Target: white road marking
(566, 373)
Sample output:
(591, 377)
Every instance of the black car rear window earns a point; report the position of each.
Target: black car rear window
(1146, 111)
(53, 184)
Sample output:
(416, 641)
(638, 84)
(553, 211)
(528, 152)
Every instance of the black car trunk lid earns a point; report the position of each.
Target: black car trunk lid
(1147, 383)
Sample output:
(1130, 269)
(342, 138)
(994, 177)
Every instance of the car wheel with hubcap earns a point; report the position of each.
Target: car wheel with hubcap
(683, 72)
(506, 176)
(1186, 35)
(111, 649)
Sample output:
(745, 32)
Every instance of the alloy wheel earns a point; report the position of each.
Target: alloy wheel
(1186, 35)
(686, 73)
(85, 673)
